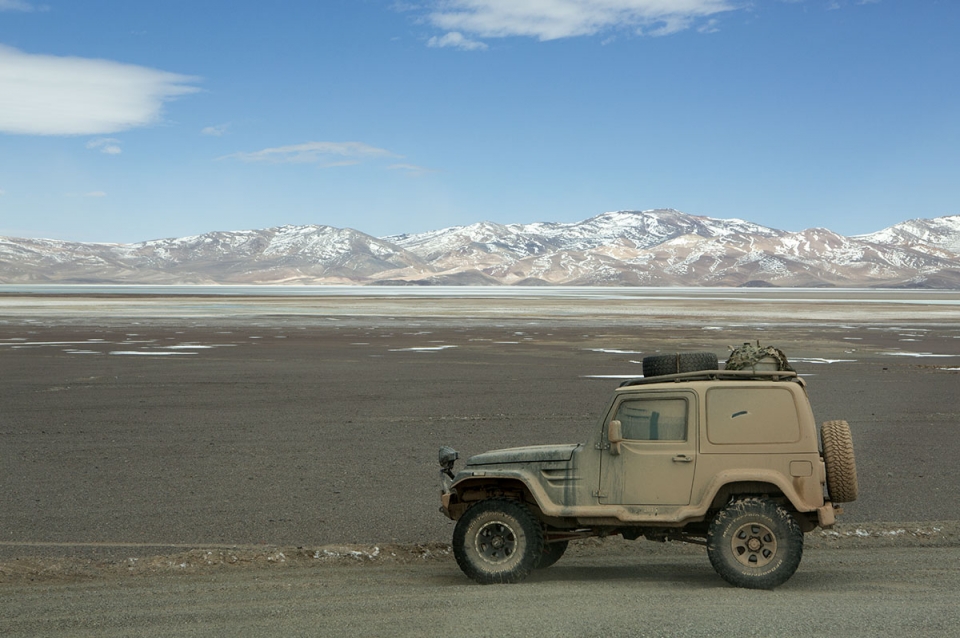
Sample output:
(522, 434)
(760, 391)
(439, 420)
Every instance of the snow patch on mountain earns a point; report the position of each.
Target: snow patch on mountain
(652, 247)
(942, 232)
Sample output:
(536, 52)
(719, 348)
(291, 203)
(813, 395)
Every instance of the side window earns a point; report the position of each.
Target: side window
(751, 416)
(653, 419)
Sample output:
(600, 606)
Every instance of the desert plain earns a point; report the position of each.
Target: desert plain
(137, 428)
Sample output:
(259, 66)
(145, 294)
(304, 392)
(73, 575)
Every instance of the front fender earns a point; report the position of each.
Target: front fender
(456, 500)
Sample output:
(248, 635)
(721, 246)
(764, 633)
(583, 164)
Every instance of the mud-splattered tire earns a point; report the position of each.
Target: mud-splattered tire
(552, 552)
(657, 365)
(755, 543)
(840, 463)
(498, 540)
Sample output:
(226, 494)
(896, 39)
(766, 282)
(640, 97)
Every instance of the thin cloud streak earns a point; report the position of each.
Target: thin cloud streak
(411, 169)
(324, 153)
(215, 131)
(553, 19)
(53, 95)
(108, 145)
(456, 40)
(19, 5)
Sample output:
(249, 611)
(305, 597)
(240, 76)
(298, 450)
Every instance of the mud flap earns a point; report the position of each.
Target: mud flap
(827, 515)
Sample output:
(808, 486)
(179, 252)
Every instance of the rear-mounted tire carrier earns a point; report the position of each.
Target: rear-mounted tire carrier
(841, 466)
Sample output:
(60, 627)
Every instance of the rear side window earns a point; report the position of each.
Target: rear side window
(653, 419)
(751, 415)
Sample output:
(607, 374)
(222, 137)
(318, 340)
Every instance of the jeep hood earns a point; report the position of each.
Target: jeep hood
(528, 454)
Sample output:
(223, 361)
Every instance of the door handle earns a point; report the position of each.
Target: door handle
(682, 458)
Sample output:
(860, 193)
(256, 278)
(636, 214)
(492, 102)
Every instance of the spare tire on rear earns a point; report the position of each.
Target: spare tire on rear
(657, 365)
(839, 461)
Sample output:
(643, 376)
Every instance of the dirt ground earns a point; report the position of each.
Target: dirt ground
(128, 429)
(901, 591)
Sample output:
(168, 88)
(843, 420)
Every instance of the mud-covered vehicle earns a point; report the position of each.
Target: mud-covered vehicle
(730, 459)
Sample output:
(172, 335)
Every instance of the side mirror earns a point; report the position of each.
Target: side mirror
(614, 435)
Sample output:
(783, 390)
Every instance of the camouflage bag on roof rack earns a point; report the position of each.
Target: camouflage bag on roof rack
(757, 357)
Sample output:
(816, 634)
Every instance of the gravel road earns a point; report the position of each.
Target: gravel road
(850, 593)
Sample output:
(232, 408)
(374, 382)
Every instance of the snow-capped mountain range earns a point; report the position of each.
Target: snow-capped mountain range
(644, 248)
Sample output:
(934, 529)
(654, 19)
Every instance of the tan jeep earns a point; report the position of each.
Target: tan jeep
(728, 459)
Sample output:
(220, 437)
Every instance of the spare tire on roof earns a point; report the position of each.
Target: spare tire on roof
(657, 365)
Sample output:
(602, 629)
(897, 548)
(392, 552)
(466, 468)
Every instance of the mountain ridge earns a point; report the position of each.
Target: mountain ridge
(662, 247)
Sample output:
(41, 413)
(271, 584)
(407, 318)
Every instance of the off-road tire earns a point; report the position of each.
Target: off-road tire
(552, 552)
(838, 458)
(755, 543)
(660, 364)
(498, 540)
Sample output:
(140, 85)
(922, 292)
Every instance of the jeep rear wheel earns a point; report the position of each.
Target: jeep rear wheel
(840, 463)
(658, 365)
(755, 543)
(498, 541)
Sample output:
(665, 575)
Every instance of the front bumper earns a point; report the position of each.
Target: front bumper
(445, 504)
(446, 493)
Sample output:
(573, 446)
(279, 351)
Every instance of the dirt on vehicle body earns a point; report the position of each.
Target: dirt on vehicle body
(730, 459)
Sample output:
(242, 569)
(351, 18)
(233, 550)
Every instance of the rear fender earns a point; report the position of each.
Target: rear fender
(726, 484)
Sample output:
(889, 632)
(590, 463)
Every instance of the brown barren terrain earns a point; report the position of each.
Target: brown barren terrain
(163, 429)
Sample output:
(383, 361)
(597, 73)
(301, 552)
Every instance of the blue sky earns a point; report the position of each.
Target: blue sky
(126, 121)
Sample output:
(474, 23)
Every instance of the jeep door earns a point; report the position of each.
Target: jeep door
(654, 461)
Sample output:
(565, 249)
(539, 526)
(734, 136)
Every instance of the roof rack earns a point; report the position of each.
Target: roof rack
(717, 375)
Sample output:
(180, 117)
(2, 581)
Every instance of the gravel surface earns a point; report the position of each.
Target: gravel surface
(293, 429)
(268, 467)
(850, 593)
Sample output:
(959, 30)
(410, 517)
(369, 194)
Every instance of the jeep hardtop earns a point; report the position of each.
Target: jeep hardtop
(730, 459)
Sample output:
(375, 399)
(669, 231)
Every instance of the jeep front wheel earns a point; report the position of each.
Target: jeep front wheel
(498, 541)
(755, 543)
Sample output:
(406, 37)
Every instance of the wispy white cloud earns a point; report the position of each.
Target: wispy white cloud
(667, 26)
(411, 169)
(835, 5)
(710, 26)
(2, 192)
(334, 164)
(553, 19)
(456, 40)
(216, 131)
(325, 153)
(108, 145)
(52, 95)
(21, 5)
